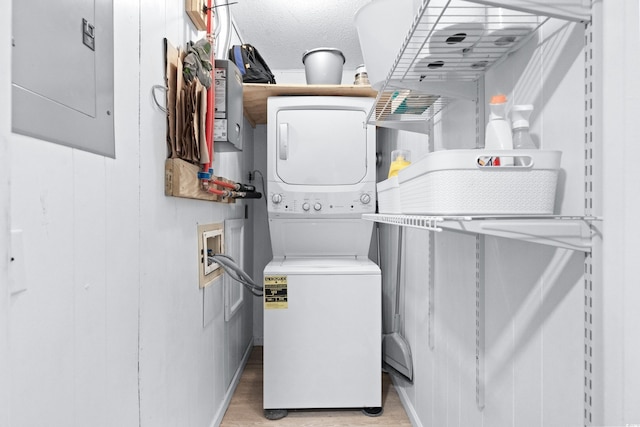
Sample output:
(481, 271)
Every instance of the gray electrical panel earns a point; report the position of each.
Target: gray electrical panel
(229, 116)
(62, 73)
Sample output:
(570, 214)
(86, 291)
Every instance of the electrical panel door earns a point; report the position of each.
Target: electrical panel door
(62, 72)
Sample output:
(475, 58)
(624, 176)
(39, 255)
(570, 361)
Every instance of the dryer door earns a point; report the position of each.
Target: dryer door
(321, 146)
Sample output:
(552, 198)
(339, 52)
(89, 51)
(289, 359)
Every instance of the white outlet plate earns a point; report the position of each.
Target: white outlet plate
(211, 241)
(210, 237)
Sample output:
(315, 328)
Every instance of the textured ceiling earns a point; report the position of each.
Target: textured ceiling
(282, 30)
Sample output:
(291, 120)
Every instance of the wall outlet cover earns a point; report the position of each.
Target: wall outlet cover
(210, 239)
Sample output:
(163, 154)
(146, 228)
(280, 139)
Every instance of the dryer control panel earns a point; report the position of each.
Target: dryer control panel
(322, 203)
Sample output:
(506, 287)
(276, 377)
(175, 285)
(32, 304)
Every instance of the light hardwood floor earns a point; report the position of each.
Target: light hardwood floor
(245, 409)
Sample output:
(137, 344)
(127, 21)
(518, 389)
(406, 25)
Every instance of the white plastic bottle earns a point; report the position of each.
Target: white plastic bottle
(498, 134)
(521, 137)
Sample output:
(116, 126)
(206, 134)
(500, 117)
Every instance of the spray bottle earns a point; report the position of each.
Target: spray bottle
(498, 135)
(520, 117)
(521, 137)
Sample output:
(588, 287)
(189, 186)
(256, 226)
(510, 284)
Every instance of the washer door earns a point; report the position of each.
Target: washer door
(321, 146)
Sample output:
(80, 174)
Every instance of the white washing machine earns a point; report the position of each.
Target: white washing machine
(322, 304)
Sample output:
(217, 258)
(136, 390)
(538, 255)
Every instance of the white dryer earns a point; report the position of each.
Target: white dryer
(322, 304)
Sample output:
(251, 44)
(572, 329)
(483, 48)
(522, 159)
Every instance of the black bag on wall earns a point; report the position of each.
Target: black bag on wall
(251, 64)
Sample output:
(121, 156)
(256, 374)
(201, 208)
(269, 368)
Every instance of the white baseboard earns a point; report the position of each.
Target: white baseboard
(217, 420)
(406, 402)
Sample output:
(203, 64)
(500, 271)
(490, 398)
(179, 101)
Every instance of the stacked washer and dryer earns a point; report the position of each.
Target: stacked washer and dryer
(322, 303)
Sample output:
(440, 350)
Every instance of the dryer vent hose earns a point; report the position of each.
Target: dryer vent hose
(229, 265)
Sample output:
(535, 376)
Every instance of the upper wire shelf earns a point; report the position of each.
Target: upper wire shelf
(451, 44)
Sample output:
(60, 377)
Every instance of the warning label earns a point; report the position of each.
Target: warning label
(275, 292)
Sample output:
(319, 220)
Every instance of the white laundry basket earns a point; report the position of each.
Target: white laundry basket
(389, 196)
(454, 182)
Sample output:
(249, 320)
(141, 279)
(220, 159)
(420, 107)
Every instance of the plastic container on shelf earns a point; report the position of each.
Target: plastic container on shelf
(522, 139)
(400, 159)
(505, 27)
(455, 26)
(520, 124)
(498, 135)
(323, 66)
(382, 26)
(454, 182)
(361, 77)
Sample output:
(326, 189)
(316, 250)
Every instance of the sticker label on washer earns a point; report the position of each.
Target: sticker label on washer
(275, 292)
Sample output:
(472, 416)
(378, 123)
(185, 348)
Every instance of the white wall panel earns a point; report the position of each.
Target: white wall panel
(109, 330)
(212, 383)
(89, 278)
(562, 314)
(529, 302)
(562, 122)
(5, 175)
(42, 317)
(170, 301)
(74, 330)
(122, 236)
(176, 352)
(617, 385)
(454, 344)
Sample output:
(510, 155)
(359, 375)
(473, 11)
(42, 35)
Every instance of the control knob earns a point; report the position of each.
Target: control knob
(276, 198)
(317, 206)
(365, 198)
(306, 206)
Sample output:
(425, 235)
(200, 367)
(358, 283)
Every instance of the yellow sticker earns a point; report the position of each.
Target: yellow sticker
(275, 292)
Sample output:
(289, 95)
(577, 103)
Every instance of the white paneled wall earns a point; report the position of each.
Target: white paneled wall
(619, 50)
(110, 329)
(5, 176)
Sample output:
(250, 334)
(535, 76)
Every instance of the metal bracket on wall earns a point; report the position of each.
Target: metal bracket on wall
(432, 262)
(480, 321)
(588, 210)
(432, 293)
(480, 112)
(480, 306)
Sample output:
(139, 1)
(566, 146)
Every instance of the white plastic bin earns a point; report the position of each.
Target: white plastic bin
(382, 26)
(389, 196)
(453, 182)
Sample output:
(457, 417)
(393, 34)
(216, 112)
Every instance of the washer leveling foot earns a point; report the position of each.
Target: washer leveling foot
(275, 414)
(374, 411)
